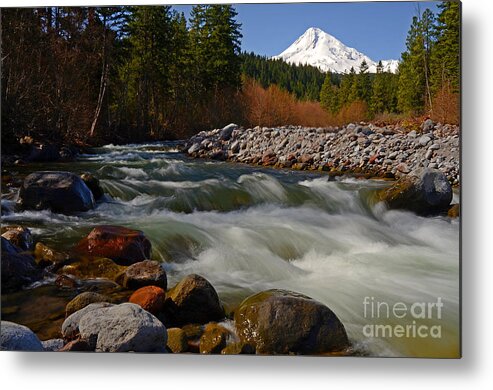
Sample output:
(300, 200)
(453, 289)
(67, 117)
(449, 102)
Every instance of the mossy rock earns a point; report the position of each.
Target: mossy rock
(214, 338)
(454, 211)
(283, 322)
(44, 255)
(84, 299)
(177, 340)
(91, 268)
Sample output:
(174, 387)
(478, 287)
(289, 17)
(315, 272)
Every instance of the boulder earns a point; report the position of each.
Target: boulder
(214, 339)
(61, 192)
(123, 245)
(70, 327)
(227, 131)
(423, 191)
(282, 322)
(117, 328)
(144, 273)
(192, 301)
(92, 183)
(150, 298)
(18, 269)
(53, 345)
(82, 300)
(15, 337)
(20, 236)
(92, 268)
(177, 340)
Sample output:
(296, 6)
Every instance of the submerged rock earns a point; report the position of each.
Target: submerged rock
(117, 328)
(192, 301)
(123, 245)
(144, 273)
(19, 236)
(44, 255)
(423, 191)
(15, 337)
(61, 192)
(282, 322)
(91, 268)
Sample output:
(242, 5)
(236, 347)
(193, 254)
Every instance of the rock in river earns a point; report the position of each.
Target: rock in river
(15, 337)
(150, 298)
(61, 192)
(192, 301)
(424, 191)
(280, 322)
(117, 328)
(19, 236)
(82, 300)
(122, 245)
(18, 269)
(144, 273)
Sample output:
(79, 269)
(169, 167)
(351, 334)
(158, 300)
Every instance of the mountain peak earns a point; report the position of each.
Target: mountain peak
(322, 50)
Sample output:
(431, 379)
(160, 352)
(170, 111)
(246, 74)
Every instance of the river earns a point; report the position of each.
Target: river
(248, 228)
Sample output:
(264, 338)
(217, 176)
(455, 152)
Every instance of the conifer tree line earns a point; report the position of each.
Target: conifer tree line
(427, 81)
(117, 73)
(304, 81)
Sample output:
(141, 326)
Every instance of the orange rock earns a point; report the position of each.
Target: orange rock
(120, 244)
(150, 298)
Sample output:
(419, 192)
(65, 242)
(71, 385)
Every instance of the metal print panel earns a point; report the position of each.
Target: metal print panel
(270, 179)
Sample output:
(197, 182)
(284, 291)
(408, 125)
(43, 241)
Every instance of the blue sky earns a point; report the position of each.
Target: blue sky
(377, 29)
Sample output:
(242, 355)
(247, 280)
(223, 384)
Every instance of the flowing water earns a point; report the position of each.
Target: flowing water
(247, 229)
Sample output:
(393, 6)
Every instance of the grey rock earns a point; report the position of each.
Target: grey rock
(424, 140)
(53, 345)
(70, 327)
(194, 148)
(227, 131)
(15, 337)
(123, 328)
(427, 126)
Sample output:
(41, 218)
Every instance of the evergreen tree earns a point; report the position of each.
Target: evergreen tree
(445, 61)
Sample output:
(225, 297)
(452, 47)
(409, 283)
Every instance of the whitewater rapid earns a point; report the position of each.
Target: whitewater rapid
(248, 229)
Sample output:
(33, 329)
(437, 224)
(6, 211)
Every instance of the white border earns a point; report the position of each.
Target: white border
(473, 371)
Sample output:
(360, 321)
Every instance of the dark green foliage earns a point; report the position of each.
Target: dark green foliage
(304, 81)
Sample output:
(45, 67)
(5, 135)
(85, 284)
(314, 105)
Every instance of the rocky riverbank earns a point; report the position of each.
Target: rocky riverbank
(355, 149)
(140, 315)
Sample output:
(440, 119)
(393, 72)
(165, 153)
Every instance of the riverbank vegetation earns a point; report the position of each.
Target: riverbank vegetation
(117, 74)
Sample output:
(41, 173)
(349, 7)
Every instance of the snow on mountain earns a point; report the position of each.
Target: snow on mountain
(317, 48)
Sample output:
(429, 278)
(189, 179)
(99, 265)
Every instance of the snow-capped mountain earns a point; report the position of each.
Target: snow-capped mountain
(317, 48)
